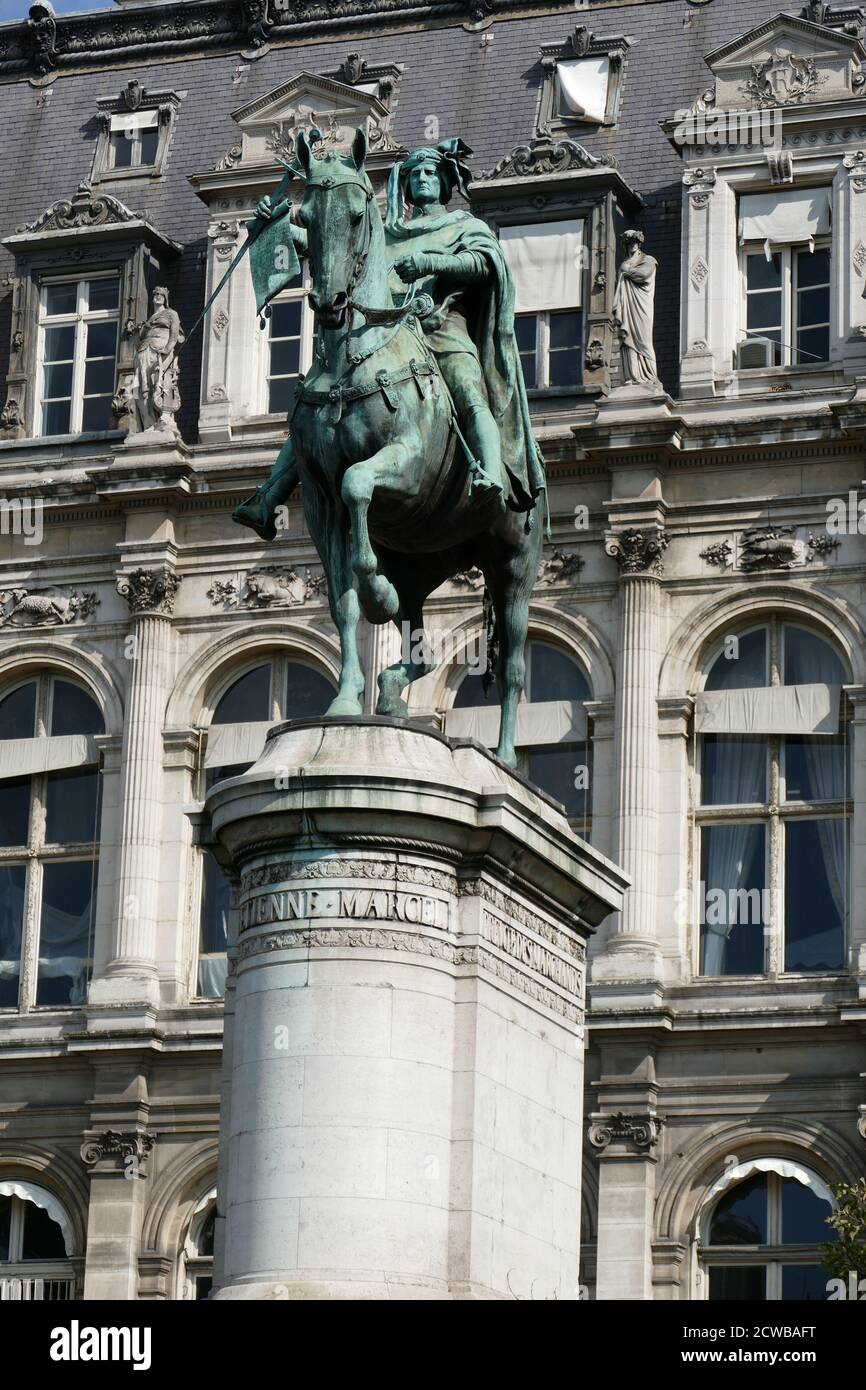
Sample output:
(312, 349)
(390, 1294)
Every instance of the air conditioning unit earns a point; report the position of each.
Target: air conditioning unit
(756, 352)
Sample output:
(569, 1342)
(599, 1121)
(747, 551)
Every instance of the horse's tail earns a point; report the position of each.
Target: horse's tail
(491, 638)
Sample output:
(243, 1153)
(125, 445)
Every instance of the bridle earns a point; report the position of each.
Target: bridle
(327, 184)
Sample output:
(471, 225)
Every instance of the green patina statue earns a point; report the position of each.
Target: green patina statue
(411, 434)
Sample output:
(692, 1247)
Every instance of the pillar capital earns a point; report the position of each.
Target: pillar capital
(149, 592)
(636, 1134)
(638, 551)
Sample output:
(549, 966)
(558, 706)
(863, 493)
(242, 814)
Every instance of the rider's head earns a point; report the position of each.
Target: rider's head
(431, 174)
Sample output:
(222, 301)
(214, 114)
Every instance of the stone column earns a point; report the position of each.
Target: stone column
(632, 950)
(626, 1199)
(117, 1160)
(131, 973)
(406, 1053)
(857, 850)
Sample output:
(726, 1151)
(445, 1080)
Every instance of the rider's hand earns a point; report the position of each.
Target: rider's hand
(264, 210)
(408, 269)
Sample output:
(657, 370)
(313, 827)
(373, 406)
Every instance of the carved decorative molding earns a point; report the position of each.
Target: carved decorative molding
(638, 552)
(545, 156)
(719, 554)
(22, 608)
(150, 591)
(84, 209)
(769, 547)
(561, 566)
(595, 359)
(468, 579)
(269, 586)
(378, 870)
(643, 1131)
(698, 273)
(42, 32)
(820, 545)
(122, 1147)
(782, 79)
(256, 22)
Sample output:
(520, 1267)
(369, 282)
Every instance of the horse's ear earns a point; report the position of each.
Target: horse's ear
(305, 154)
(359, 147)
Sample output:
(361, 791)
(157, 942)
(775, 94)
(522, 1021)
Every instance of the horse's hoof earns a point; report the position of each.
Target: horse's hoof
(393, 708)
(344, 704)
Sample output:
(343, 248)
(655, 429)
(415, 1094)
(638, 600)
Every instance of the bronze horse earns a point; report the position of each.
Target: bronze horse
(386, 487)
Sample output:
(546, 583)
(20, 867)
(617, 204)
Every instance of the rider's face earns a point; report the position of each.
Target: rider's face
(424, 185)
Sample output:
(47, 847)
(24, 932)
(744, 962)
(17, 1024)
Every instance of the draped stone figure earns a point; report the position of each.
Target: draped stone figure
(633, 311)
(154, 392)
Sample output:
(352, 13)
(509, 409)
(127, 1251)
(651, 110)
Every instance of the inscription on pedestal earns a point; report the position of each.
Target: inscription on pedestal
(357, 904)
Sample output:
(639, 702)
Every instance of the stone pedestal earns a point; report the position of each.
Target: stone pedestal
(404, 1082)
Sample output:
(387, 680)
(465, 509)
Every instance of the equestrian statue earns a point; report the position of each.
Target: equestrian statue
(410, 436)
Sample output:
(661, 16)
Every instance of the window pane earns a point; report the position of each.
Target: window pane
(813, 306)
(815, 894)
(5, 1226)
(813, 268)
(815, 768)
(555, 770)
(743, 664)
(64, 932)
(286, 318)
(762, 274)
(804, 1283)
(738, 1283)
(219, 774)
(285, 357)
(813, 345)
(101, 339)
(734, 770)
(18, 712)
(740, 1217)
(72, 809)
(564, 330)
(203, 1286)
(809, 659)
(281, 393)
(96, 413)
(55, 417)
(122, 151)
(103, 294)
(564, 368)
(554, 676)
(212, 965)
(764, 311)
(804, 1215)
(12, 884)
(43, 1238)
(731, 899)
(99, 377)
(60, 343)
(14, 811)
(308, 693)
(73, 711)
(61, 299)
(470, 693)
(149, 146)
(57, 380)
(525, 330)
(248, 700)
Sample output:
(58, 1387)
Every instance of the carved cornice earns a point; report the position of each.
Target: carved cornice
(545, 156)
(638, 552)
(641, 1131)
(150, 591)
(84, 209)
(124, 1149)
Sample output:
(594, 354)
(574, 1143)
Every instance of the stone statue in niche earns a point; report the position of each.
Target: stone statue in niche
(154, 391)
(633, 312)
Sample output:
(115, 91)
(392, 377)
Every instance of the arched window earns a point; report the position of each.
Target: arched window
(554, 750)
(276, 689)
(34, 1263)
(49, 828)
(761, 1238)
(772, 805)
(197, 1260)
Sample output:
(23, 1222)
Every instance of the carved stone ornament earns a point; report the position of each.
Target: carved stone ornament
(149, 591)
(352, 69)
(769, 547)
(122, 1147)
(21, 608)
(561, 566)
(269, 586)
(546, 156)
(468, 579)
(782, 79)
(84, 209)
(719, 554)
(230, 160)
(638, 552)
(42, 30)
(255, 21)
(594, 359)
(820, 545)
(643, 1131)
(10, 415)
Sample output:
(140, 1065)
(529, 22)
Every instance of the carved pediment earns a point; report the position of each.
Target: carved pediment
(786, 61)
(269, 125)
(85, 209)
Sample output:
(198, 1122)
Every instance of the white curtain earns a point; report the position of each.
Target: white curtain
(11, 918)
(129, 121)
(739, 772)
(731, 853)
(546, 263)
(230, 744)
(785, 1167)
(29, 1192)
(777, 709)
(583, 87)
(549, 721)
(212, 971)
(20, 757)
(785, 219)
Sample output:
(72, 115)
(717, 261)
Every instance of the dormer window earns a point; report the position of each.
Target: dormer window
(134, 132)
(582, 81)
(134, 140)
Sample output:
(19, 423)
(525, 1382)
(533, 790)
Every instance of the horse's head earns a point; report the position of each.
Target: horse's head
(337, 214)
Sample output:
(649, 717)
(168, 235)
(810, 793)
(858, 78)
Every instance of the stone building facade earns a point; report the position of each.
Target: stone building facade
(697, 672)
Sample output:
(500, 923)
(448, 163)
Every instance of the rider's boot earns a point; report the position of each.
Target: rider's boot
(259, 510)
(486, 473)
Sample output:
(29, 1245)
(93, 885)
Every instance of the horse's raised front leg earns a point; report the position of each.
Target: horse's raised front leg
(379, 599)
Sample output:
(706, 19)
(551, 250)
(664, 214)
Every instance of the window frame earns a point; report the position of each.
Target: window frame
(772, 1256)
(80, 319)
(789, 291)
(543, 351)
(37, 852)
(775, 813)
(306, 344)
